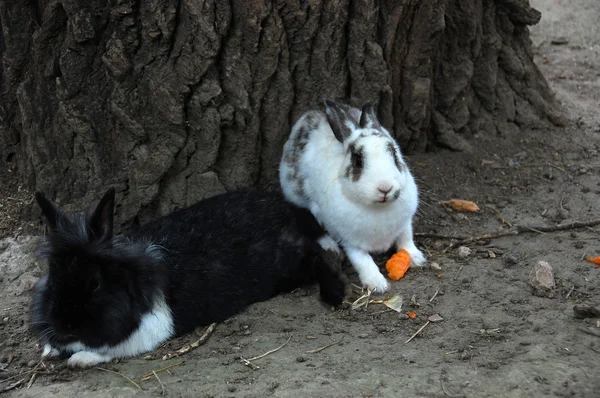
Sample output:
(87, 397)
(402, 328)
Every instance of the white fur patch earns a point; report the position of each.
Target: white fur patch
(50, 352)
(85, 359)
(348, 209)
(155, 328)
(327, 243)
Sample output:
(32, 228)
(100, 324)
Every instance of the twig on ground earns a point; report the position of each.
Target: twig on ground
(517, 230)
(31, 380)
(271, 351)
(249, 364)
(459, 271)
(570, 291)
(434, 295)
(12, 386)
(194, 345)
(323, 348)
(444, 388)
(159, 382)
(500, 217)
(123, 376)
(417, 332)
(148, 376)
(32, 370)
(590, 332)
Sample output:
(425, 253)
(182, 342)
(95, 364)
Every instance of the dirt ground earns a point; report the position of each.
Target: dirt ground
(497, 339)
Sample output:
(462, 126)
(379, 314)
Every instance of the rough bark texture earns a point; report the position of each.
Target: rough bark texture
(172, 101)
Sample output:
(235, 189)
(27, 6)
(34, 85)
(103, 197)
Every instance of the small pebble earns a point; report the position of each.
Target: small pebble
(512, 258)
(438, 245)
(558, 41)
(363, 335)
(464, 251)
(300, 359)
(402, 316)
(231, 388)
(5, 319)
(32, 363)
(435, 266)
(541, 280)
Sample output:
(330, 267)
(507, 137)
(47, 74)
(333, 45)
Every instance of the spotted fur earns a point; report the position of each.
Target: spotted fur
(351, 175)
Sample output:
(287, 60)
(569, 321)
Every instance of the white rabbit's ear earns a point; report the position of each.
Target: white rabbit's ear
(368, 118)
(340, 121)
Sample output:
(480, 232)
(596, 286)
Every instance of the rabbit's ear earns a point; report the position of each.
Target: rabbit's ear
(340, 121)
(100, 220)
(368, 118)
(50, 210)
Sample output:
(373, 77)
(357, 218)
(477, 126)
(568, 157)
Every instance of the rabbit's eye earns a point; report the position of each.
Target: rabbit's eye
(95, 285)
(357, 160)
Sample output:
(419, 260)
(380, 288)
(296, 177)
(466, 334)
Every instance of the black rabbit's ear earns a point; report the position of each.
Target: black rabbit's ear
(368, 117)
(100, 222)
(50, 210)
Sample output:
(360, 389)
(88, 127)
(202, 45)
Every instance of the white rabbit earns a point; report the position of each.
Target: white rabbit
(347, 169)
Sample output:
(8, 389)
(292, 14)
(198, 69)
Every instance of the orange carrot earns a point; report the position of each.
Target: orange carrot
(593, 260)
(398, 264)
(461, 205)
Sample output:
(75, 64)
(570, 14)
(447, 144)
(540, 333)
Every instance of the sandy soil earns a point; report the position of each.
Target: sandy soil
(497, 339)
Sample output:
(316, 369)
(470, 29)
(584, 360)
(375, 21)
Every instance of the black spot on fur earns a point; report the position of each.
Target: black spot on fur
(354, 170)
(391, 149)
(396, 194)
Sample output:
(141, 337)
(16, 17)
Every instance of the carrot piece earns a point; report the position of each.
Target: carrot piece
(593, 260)
(411, 315)
(461, 205)
(398, 264)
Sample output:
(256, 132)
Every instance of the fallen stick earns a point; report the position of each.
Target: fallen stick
(159, 382)
(12, 386)
(271, 351)
(123, 376)
(323, 348)
(249, 364)
(150, 375)
(417, 332)
(434, 295)
(517, 229)
(194, 345)
(590, 331)
(31, 381)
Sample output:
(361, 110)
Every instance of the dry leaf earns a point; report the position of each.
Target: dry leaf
(394, 303)
(435, 318)
(461, 205)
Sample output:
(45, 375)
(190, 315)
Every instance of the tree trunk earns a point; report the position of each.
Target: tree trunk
(172, 101)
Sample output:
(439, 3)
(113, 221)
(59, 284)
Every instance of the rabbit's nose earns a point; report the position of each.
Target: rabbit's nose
(384, 188)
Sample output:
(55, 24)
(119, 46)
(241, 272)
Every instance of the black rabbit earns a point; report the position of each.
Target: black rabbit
(108, 296)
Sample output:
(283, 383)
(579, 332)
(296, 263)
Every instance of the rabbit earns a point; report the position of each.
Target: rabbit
(346, 168)
(108, 296)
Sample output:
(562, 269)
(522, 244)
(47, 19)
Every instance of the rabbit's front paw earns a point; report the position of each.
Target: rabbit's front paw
(374, 281)
(86, 359)
(417, 257)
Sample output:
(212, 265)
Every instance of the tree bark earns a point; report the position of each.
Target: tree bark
(172, 101)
